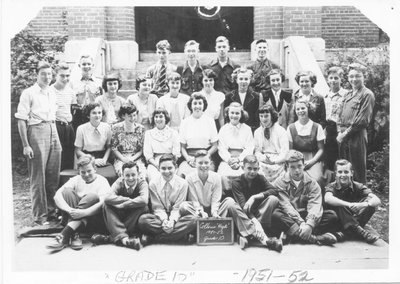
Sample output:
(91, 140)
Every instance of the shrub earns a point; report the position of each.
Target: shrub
(377, 80)
(27, 50)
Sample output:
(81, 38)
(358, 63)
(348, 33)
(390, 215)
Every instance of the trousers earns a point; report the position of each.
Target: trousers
(152, 225)
(122, 223)
(44, 168)
(284, 223)
(93, 223)
(66, 134)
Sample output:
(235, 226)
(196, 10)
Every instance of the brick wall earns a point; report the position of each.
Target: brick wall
(346, 24)
(340, 26)
(50, 22)
(120, 23)
(268, 22)
(86, 22)
(302, 21)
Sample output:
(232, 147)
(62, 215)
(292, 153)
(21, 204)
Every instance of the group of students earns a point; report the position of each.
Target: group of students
(174, 117)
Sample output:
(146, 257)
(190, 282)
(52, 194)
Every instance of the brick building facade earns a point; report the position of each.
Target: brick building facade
(337, 25)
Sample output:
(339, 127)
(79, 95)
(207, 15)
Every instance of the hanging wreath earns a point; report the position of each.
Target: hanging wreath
(208, 12)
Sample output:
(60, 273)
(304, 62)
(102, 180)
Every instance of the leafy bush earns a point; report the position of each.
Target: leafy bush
(27, 50)
(378, 170)
(377, 62)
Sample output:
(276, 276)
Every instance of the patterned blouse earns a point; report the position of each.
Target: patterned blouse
(127, 142)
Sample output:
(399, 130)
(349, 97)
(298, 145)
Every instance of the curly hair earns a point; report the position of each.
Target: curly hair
(91, 106)
(243, 114)
(197, 96)
(163, 111)
(311, 75)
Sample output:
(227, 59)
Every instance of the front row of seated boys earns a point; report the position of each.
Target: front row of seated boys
(136, 214)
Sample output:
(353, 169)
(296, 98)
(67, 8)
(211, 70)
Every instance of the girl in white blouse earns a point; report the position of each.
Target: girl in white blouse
(271, 143)
(197, 132)
(160, 140)
(235, 141)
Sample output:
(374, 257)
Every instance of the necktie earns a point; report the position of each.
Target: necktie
(96, 133)
(162, 79)
(267, 133)
(167, 203)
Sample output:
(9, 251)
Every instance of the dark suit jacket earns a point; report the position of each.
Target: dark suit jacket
(251, 104)
(284, 108)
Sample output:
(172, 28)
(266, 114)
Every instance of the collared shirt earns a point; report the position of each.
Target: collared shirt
(214, 102)
(224, 82)
(64, 99)
(357, 109)
(242, 191)
(277, 97)
(91, 138)
(121, 192)
(260, 69)
(166, 201)
(354, 192)
(37, 105)
(317, 111)
(175, 107)
(237, 137)
(277, 144)
(305, 130)
(111, 107)
(145, 109)
(207, 194)
(191, 79)
(161, 142)
(91, 87)
(307, 197)
(153, 72)
(333, 104)
(99, 186)
(198, 132)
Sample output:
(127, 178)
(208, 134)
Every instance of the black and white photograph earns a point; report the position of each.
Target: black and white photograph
(163, 142)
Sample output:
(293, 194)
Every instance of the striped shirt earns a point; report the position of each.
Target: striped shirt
(64, 99)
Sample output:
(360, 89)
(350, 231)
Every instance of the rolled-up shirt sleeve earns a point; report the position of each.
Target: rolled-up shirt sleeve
(24, 106)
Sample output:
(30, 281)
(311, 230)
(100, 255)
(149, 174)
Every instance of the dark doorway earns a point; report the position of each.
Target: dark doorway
(180, 24)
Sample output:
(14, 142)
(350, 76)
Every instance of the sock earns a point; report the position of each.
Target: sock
(67, 233)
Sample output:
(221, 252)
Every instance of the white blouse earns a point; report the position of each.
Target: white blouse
(277, 144)
(198, 132)
(235, 137)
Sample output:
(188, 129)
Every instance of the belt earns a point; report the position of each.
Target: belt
(62, 122)
(47, 121)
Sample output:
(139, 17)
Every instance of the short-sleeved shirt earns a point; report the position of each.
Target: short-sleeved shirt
(89, 86)
(64, 99)
(305, 130)
(198, 133)
(333, 104)
(214, 102)
(176, 107)
(91, 140)
(37, 105)
(354, 192)
(111, 107)
(160, 142)
(99, 186)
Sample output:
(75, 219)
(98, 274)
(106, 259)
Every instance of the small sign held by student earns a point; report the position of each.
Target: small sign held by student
(215, 231)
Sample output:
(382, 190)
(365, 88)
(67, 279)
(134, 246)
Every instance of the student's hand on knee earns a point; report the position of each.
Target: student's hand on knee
(100, 162)
(28, 152)
(214, 214)
(247, 206)
(78, 213)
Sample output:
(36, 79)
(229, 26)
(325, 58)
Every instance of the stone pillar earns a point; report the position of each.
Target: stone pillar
(268, 22)
(120, 23)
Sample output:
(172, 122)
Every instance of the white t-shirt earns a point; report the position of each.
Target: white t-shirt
(99, 186)
(198, 132)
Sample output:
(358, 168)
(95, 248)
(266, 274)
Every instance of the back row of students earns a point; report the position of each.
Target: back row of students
(36, 119)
